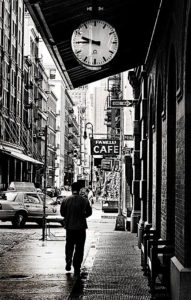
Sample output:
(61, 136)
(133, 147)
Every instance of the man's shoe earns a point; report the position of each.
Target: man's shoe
(68, 267)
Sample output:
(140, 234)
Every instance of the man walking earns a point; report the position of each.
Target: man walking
(75, 209)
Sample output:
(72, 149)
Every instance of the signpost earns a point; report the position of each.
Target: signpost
(45, 185)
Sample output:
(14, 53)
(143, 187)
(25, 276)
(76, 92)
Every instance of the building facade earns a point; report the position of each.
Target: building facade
(27, 102)
(162, 122)
(18, 155)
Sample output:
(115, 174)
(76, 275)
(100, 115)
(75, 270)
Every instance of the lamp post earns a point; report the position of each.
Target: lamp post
(45, 184)
(89, 125)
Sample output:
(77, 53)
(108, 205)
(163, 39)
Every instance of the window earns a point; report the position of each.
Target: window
(12, 103)
(6, 44)
(20, 37)
(52, 73)
(5, 98)
(20, 15)
(32, 199)
(19, 198)
(13, 52)
(19, 108)
(19, 84)
(14, 5)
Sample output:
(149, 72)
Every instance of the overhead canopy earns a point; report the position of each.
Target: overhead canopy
(19, 155)
(133, 20)
(24, 157)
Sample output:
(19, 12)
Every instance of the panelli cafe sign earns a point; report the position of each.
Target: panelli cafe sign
(105, 147)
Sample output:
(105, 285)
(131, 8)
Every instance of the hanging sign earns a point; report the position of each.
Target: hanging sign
(106, 164)
(105, 147)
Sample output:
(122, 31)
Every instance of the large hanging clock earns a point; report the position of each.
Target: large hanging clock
(94, 43)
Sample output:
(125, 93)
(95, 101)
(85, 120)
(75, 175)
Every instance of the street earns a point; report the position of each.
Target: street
(22, 250)
(34, 231)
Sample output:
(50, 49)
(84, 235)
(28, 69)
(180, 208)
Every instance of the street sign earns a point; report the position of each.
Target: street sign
(126, 150)
(106, 164)
(121, 103)
(128, 137)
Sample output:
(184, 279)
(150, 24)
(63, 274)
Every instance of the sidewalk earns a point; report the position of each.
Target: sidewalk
(33, 270)
(116, 272)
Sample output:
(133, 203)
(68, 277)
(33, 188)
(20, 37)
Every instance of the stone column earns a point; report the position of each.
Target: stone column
(143, 159)
(135, 215)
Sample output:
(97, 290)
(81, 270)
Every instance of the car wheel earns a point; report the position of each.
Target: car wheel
(19, 220)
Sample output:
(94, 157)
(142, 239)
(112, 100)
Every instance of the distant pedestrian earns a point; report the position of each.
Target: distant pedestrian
(90, 196)
(84, 192)
(75, 209)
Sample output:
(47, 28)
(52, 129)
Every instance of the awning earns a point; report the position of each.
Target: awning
(24, 157)
(134, 21)
(19, 155)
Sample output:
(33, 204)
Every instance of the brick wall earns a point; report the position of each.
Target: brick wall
(164, 183)
(180, 191)
(154, 182)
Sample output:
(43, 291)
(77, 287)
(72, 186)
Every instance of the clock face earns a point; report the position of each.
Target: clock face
(95, 43)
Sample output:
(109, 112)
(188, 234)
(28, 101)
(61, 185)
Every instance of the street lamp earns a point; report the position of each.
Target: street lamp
(89, 125)
(85, 132)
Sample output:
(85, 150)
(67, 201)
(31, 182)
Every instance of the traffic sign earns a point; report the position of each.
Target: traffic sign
(121, 103)
(128, 137)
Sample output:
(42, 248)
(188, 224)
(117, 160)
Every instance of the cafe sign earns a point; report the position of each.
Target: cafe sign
(105, 147)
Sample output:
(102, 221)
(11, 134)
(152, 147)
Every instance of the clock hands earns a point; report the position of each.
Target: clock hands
(82, 42)
(91, 41)
(87, 40)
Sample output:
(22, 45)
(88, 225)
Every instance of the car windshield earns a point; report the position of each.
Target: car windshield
(10, 196)
(49, 200)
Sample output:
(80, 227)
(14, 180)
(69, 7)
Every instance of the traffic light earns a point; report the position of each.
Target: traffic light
(75, 153)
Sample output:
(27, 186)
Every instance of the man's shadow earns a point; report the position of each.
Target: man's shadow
(79, 284)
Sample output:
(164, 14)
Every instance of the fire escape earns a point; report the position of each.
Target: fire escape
(16, 130)
(112, 119)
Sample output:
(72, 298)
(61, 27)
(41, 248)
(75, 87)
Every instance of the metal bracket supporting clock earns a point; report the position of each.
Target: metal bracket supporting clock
(94, 43)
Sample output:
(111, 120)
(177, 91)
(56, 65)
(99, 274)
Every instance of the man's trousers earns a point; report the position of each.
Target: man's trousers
(75, 241)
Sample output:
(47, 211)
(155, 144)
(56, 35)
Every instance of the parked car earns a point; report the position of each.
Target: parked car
(60, 198)
(22, 186)
(25, 207)
(65, 192)
(7, 195)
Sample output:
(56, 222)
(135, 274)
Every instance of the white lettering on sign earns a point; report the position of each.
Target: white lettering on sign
(96, 149)
(105, 147)
(105, 142)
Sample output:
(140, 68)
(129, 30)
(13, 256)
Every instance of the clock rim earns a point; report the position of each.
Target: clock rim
(93, 65)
